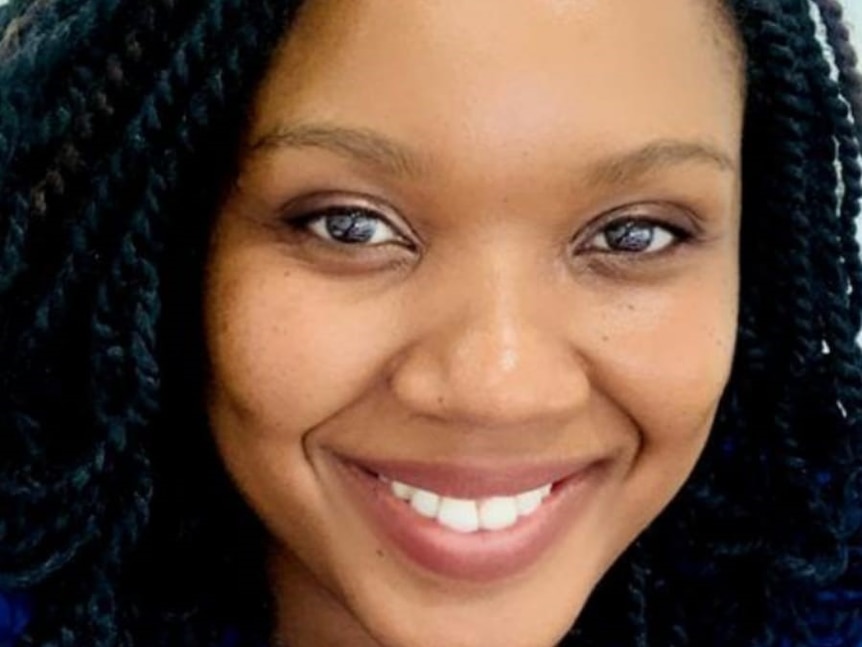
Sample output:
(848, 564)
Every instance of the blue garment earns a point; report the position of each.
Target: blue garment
(842, 620)
(14, 612)
(13, 617)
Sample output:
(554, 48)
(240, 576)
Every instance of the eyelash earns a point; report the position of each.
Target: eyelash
(315, 224)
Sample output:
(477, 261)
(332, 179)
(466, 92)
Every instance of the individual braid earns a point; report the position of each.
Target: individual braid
(846, 60)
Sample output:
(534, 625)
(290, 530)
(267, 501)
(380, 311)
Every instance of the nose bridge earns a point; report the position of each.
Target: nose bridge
(499, 335)
(495, 351)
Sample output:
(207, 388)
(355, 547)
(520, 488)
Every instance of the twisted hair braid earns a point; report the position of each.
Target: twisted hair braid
(71, 107)
(838, 35)
(88, 543)
(845, 108)
(132, 113)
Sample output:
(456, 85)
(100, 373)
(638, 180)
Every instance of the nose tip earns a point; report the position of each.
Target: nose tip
(496, 370)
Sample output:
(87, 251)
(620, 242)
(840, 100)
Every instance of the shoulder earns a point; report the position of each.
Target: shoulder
(14, 612)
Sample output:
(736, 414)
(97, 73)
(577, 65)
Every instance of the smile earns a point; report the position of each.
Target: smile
(470, 515)
(469, 522)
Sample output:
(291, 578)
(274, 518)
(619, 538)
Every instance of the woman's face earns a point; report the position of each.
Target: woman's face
(476, 251)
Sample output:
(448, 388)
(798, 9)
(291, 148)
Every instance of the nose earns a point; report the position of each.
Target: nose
(495, 349)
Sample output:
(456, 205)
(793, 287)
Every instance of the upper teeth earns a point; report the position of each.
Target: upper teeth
(470, 515)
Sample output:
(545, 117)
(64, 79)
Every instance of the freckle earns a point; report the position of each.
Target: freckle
(380, 553)
(630, 307)
(605, 338)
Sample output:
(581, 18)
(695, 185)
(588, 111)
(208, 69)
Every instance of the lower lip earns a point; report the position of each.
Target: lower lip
(481, 556)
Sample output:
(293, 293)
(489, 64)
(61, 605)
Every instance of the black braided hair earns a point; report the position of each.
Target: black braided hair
(119, 127)
(121, 99)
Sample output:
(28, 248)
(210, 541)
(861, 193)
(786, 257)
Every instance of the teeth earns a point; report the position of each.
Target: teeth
(458, 514)
(529, 501)
(425, 503)
(402, 491)
(498, 512)
(467, 515)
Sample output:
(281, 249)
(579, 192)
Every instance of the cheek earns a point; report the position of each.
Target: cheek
(660, 367)
(285, 352)
(285, 355)
(665, 353)
(663, 362)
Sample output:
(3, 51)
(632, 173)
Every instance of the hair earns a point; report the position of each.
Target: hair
(120, 126)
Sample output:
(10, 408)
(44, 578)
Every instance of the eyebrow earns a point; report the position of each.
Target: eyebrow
(370, 147)
(627, 167)
(361, 144)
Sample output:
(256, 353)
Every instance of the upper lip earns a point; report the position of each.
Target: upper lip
(470, 479)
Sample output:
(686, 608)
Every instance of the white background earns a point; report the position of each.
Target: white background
(854, 15)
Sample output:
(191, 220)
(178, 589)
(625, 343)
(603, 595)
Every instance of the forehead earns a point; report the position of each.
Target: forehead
(491, 74)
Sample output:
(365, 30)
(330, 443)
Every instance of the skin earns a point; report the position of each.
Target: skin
(495, 323)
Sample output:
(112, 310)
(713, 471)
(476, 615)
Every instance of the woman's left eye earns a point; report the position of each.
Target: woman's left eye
(635, 236)
(352, 226)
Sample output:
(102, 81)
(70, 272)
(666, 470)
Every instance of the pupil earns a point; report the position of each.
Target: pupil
(351, 227)
(629, 236)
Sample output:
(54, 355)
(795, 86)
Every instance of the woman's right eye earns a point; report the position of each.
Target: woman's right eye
(351, 226)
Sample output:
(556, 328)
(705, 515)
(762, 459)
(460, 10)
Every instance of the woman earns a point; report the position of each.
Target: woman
(451, 323)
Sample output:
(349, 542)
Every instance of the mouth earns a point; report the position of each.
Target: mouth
(469, 522)
(490, 513)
